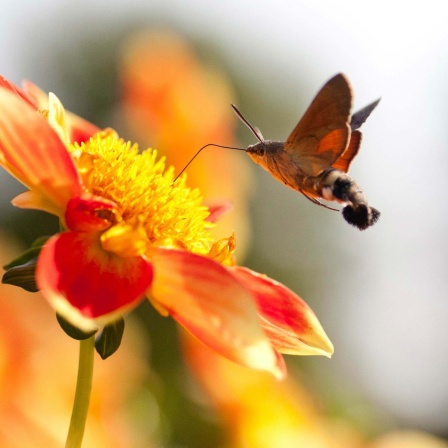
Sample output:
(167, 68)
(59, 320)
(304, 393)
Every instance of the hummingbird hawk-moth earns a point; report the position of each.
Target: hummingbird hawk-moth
(315, 158)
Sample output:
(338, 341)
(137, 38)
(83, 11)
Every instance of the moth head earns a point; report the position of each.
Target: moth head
(265, 152)
(258, 150)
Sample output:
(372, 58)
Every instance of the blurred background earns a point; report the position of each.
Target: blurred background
(163, 73)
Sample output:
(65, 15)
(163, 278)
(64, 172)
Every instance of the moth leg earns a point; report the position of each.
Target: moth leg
(317, 202)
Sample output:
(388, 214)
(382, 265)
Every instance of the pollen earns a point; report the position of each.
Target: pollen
(158, 210)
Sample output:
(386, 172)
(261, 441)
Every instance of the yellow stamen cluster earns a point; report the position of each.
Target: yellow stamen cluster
(155, 211)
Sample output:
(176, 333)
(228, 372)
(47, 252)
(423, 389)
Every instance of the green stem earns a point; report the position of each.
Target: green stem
(82, 394)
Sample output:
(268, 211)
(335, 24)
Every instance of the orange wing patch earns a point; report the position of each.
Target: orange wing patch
(343, 163)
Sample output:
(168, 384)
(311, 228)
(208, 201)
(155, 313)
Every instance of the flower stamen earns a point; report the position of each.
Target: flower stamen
(153, 209)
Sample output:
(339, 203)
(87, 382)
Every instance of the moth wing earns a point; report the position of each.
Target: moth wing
(323, 133)
(344, 161)
(361, 116)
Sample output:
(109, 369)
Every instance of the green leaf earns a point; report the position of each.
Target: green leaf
(22, 270)
(29, 254)
(109, 339)
(72, 331)
(23, 276)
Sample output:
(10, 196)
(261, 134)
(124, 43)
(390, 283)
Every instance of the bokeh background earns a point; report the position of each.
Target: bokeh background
(381, 294)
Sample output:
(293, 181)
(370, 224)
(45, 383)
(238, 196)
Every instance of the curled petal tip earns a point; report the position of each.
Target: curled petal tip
(322, 344)
(311, 341)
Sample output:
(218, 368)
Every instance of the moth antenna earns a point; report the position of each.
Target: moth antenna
(254, 130)
(209, 144)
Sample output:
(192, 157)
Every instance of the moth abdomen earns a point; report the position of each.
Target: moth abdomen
(338, 185)
(344, 187)
(362, 216)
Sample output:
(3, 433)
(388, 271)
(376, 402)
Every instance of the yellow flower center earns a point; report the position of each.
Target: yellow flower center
(153, 210)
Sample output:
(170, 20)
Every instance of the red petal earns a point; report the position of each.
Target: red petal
(207, 299)
(33, 152)
(83, 213)
(290, 323)
(82, 281)
(218, 209)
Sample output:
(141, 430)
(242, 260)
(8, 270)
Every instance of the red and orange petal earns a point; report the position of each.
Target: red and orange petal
(80, 130)
(289, 322)
(207, 299)
(33, 153)
(8, 85)
(87, 285)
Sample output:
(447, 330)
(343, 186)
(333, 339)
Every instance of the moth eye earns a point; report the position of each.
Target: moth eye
(261, 151)
(258, 150)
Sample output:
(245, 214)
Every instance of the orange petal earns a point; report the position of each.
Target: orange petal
(32, 152)
(87, 285)
(289, 322)
(213, 305)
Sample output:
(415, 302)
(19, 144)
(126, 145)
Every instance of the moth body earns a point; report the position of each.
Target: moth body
(330, 185)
